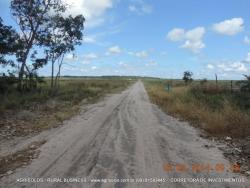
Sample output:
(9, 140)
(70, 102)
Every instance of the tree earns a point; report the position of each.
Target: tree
(9, 43)
(33, 18)
(65, 34)
(187, 77)
(203, 81)
(245, 84)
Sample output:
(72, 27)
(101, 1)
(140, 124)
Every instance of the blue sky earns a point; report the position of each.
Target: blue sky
(160, 38)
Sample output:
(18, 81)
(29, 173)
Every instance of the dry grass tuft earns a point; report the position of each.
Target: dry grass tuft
(28, 113)
(213, 110)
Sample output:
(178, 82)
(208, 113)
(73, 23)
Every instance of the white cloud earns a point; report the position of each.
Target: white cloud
(151, 63)
(247, 40)
(89, 39)
(83, 59)
(210, 66)
(90, 56)
(97, 37)
(123, 64)
(233, 67)
(139, 54)
(114, 50)
(195, 34)
(192, 38)
(146, 9)
(93, 68)
(229, 27)
(142, 54)
(248, 58)
(85, 62)
(70, 57)
(69, 68)
(194, 46)
(83, 70)
(92, 10)
(140, 7)
(132, 8)
(131, 53)
(176, 34)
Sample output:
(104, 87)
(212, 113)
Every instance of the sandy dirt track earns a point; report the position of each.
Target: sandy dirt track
(123, 136)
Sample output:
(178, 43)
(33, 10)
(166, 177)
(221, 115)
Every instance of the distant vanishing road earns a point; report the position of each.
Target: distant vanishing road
(124, 137)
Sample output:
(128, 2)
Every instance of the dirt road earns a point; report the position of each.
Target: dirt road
(124, 136)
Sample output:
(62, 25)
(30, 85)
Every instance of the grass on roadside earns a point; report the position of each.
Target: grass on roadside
(71, 90)
(219, 113)
(29, 112)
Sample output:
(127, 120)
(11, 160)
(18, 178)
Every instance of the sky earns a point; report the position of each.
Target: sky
(159, 38)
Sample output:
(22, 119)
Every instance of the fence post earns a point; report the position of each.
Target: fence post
(216, 81)
(231, 86)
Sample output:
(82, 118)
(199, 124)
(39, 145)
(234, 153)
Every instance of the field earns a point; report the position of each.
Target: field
(31, 112)
(218, 110)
